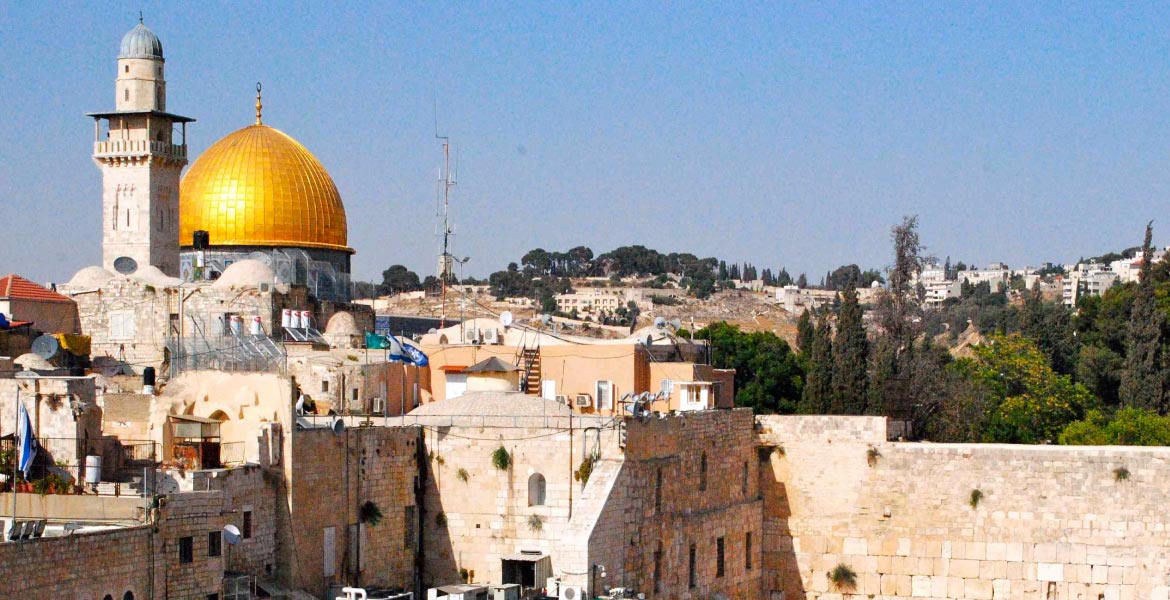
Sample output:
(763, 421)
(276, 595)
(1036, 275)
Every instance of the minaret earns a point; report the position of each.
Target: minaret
(135, 149)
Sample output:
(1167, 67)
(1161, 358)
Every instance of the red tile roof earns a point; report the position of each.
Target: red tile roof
(15, 287)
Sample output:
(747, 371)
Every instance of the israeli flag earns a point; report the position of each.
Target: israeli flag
(406, 353)
(27, 443)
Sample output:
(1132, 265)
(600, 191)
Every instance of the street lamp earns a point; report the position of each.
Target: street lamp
(462, 300)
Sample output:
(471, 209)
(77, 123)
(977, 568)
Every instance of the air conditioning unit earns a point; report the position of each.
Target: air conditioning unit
(378, 406)
(584, 401)
(572, 592)
(491, 336)
(563, 400)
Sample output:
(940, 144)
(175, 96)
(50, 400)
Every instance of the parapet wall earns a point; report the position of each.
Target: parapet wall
(1045, 521)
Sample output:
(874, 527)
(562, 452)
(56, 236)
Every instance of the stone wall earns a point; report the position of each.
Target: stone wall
(330, 477)
(64, 413)
(1050, 522)
(706, 463)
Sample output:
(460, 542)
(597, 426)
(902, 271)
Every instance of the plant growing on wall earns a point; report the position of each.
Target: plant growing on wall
(370, 514)
(465, 575)
(872, 455)
(843, 577)
(535, 522)
(976, 498)
(1120, 474)
(441, 519)
(585, 470)
(439, 460)
(501, 459)
(462, 475)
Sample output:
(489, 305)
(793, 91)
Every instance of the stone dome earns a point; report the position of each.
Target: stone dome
(31, 362)
(152, 275)
(260, 187)
(90, 277)
(341, 323)
(140, 42)
(245, 273)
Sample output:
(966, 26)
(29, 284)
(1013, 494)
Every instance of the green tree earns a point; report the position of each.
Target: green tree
(850, 357)
(1143, 379)
(1032, 403)
(398, 279)
(1126, 427)
(804, 333)
(768, 377)
(818, 386)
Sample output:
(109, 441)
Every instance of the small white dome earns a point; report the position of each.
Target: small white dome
(245, 273)
(152, 275)
(31, 361)
(341, 323)
(90, 277)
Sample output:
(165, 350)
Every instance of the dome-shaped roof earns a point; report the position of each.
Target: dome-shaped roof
(90, 277)
(245, 273)
(152, 275)
(341, 323)
(140, 42)
(260, 187)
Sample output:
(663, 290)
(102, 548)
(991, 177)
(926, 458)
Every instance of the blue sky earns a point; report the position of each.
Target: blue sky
(782, 134)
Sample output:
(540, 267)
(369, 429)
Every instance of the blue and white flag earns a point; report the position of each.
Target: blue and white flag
(415, 356)
(27, 442)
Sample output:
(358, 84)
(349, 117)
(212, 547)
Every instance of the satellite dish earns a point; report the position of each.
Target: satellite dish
(432, 330)
(649, 340)
(545, 319)
(231, 535)
(125, 265)
(506, 318)
(675, 324)
(338, 426)
(45, 346)
(659, 322)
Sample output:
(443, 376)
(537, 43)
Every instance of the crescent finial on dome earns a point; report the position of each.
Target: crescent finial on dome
(259, 106)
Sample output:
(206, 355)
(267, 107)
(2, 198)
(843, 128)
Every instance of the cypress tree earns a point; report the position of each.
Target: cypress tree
(1143, 382)
(818, 386)
(850, 357)
(804, 333)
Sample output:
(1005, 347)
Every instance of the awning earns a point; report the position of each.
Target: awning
(453, 368)
(526, 556)
(194, 419)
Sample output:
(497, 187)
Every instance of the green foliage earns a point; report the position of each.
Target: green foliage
(1033, 404)
(1144, 376)
(535, 523)
(818, 387)
(501, 459)
(768, 377)
(976, 498)
(843, 577)
(850, 353)
(441, 519)
(872, 455)
(660, 300)
(805, 333)
(1126, 427)
(398, 279)
(585, 469)
(1120, 474)
(370, 514)
(462, 475)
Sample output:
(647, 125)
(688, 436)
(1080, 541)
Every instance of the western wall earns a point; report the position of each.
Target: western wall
(969, 521)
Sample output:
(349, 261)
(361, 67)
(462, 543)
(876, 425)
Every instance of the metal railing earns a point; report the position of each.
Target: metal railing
(61, 461)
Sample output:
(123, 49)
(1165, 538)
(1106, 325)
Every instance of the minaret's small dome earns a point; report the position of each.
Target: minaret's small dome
(140, 42)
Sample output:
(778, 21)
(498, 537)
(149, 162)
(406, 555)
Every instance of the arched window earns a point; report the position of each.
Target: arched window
(703, 473)
(108, 597)
(536, 490)
(128, 595)
(126, 94)
(125, 69)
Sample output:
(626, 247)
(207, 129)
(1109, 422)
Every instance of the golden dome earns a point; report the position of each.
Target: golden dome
(260, 187)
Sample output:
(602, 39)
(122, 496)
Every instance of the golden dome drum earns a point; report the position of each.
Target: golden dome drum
(260, 187)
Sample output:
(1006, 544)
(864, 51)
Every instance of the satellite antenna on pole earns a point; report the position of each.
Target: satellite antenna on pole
(45, 346)
(231, 535)
(659, 322)
(676, 324)
(506, 318)
(545, 319)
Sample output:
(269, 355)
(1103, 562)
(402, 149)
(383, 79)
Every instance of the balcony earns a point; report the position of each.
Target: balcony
(112, 148)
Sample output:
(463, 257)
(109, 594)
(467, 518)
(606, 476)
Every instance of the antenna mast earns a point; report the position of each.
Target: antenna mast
(446, 182)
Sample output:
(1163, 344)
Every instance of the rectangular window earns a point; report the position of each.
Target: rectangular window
(747, 551)
(354, 394)
(657, 567)
(329, 552)
(324, 385)
(408, 529)
(744, 484)
(692, 581)
(719, 557)
(604, 395)
(247, 524)
(214, 543)
(186, 550)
